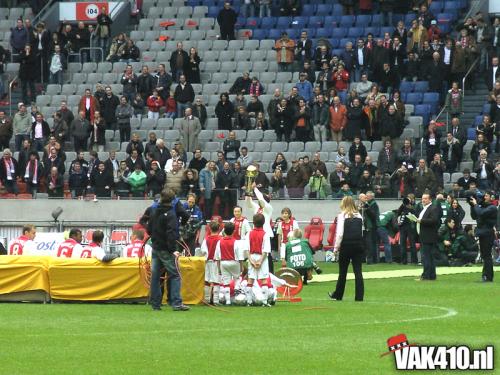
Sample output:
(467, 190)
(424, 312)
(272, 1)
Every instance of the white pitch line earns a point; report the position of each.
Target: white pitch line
(448, 313)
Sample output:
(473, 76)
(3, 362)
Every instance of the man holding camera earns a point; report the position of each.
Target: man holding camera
(485, 214)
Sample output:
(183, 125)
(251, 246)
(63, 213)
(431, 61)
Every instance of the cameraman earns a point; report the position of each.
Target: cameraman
(485, 215)
(190, 232)
(317, 185)
(407, 231)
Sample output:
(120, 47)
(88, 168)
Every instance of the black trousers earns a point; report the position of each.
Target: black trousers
(485, 245)
(427, 251)
(348, 253)
(404, 235)
(80, 144)
(371, 246)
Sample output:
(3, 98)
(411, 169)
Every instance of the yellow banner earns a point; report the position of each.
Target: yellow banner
(23, 273)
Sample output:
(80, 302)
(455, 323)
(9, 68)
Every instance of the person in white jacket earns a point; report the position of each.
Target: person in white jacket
(263, 207)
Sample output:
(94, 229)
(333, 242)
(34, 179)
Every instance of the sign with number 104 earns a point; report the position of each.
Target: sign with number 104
(86, 11)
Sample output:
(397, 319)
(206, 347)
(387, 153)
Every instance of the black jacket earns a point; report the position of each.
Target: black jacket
(45, 129)
(486, 217)
(173, 60)
(145, 85)
(429, 225)
(227, 19)
(162, 156)
(163, 226)
(99, 181)
(27, 67)
(184, 95)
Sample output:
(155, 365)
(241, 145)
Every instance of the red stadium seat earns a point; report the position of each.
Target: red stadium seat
(24, 196)
(314, 233)
(88, 236)
(119, 237)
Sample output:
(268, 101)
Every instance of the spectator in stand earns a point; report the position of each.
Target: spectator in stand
(207, 187)
(389, 79)
(284, 117)
(198, 162)
(451, 150)
(392, 126)
(108, 108)
(27, 74)
(129, 52)
(176, 158)
(88, 104)
(492, 74)
(66, 113)
(112, 165)
(9, 171)
(55, 184)
(466, 179)
(239, 101)
(356, 120)
(357, 148)
(496, 178)
(122, 187)
(432, 139)
(285, 48)
(40, 132)
(304, 87)
(227, 18)
(224, 112)
(161, 154)
(60, 128)
(129, 82)
(190, 183)
(317, 186)
(154, 103)
(6, 130)
(337, 178)
(137, 181)
(291, 8)
(18, 37)
(101, 182)
(135, 159)
(365, 182)
(56, 67)
(103, 30)
(184, 95)
(438, 167)
(179, 60)
(320, 119)
(80, 159)
(242, 120)
(163, 82)
(190, 129)
(308, 70)
(170, 107)
(340, 78)
(81, 39)
(381, 185)
(93, 163)
(454, 100)
(317, 163)
(303, 49)
(200, 111)
(387, 158)
(80, 130)
(338, 119)
(193, 67)
(363, 87)
(484, 169)
(52, 143)
(145, 83)
(480, 144)
(417, 35)
(123, 114)
(226, 186)
(261, 122)
(231, 148)
(245, 159)
(254, 107)
(424, 179)
(97, 133)
(135, 144)
(280, 163)
(78, 181)
(495, 119)
(53, 159)
(261, 181)
(255, 89)
(296, 180)
(241, 85)
(486, 128)
(175, 175)
(277, 184)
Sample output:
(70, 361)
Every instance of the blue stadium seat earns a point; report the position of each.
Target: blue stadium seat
(436, 7)
(409, 17)
(421, 86)
(315, 21)
(283, 22)
(376, 20)
(363, 20)
(334, 42)
(311, 32)
(386, 29)
(338, 32)
(259, 34)
(332, 21)
(309, 10)
(374, 30)
(478, 120)
(414, 98)
(471, 133)
(423, 110)
(355, 32)
(406, 87)
(240, 22)
(444, 17)
(293, 33)
(337, 9)
(252, 23)
(274, 34)
(486, 109)
(347, 21)
(337, 51)
(431, 98)
(344, 41)
(268, 23)
(299, 22)
(325, 9)
(213, 12)
(324, 32)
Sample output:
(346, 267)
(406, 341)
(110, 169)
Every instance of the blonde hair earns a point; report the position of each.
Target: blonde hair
(348, 207)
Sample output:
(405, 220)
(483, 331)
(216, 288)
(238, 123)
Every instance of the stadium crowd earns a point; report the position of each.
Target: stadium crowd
(353, 96)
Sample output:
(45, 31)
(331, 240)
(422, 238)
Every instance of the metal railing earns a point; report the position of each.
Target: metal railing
(443, 110)
(11, 84)
(468, 73)
(476, 6)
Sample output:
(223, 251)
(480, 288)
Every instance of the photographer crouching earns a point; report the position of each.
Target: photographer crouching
(485, 214)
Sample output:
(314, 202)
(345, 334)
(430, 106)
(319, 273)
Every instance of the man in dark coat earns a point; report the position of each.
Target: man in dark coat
(227, 19)
(179, 60)
(428, 223)
(108, 108)
(145, 83)
(27, 74)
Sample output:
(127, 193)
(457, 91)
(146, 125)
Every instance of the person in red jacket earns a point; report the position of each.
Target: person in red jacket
(340, 77)
(170, 106)
(154, 104)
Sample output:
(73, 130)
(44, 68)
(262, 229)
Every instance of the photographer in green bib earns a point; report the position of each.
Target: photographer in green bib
(299, 255)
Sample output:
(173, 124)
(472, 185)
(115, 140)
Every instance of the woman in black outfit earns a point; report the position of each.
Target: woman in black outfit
(193, 67)
(224, 112)
(349, 244)
(27, 74)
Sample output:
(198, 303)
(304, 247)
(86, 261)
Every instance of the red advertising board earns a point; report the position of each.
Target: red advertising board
(88, 11)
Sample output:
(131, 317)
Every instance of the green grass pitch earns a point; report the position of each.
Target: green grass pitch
(316, 336)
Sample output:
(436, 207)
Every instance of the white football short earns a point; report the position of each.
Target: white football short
(230, 270)
(211, 272)
(262, 272)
